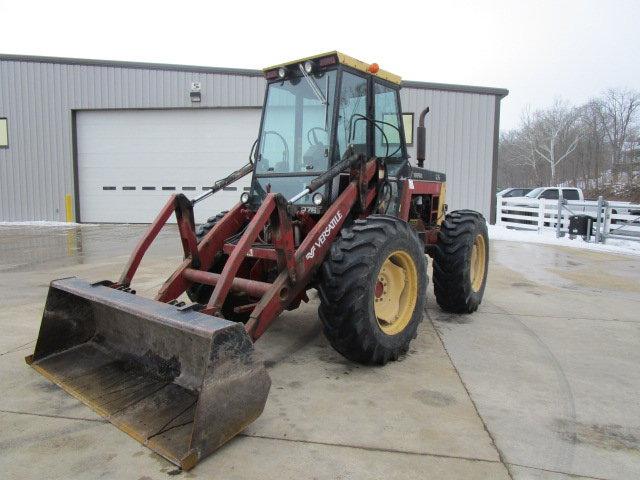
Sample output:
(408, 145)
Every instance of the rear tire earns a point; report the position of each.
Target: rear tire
(201, 293)
(459, 274)
(376, 260)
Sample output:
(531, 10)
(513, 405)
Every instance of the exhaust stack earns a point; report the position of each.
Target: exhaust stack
(421, 134)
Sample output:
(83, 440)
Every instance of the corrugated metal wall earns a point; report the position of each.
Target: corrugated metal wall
(459, 142)
(36, 171)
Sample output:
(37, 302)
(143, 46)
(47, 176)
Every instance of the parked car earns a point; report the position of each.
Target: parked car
(547, 193)
(513, 192)
(553, 193)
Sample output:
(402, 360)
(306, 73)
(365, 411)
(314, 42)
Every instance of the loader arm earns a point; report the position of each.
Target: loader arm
(295, 266)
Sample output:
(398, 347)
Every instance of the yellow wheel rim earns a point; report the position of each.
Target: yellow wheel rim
(478, 262)
(396, 292)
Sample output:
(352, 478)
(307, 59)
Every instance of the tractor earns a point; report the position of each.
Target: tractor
(334, 205)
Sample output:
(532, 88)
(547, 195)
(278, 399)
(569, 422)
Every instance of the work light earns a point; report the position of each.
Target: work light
(308, 66)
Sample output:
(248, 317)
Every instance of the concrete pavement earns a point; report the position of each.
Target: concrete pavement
(547, 368)
(551, 360)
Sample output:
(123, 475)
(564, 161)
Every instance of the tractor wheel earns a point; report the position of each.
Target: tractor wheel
(461, 261)
(203, 229)
(372, 289)
(201, 293)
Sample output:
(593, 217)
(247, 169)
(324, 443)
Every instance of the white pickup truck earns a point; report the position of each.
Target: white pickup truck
(553, 193)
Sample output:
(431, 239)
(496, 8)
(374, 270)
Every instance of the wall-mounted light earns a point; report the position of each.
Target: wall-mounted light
(4, 133)
(195, 92)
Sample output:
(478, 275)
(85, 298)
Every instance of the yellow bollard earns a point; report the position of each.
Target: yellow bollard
(68, 203)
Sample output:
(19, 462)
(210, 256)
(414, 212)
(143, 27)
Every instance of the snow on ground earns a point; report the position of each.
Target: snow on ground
(38, 223)
(548, 237)
(43, 223)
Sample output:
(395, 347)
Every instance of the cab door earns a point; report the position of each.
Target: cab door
(388, 133)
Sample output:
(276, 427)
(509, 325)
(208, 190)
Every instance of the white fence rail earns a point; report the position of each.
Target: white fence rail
(610, 219)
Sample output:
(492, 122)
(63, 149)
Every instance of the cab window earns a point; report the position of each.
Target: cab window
(387, 137)
(570, 194)
(297, 125)
(534, 193)
(351, 128)
(516, 192)
(550, 194)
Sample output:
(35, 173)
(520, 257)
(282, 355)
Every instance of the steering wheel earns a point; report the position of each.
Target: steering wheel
(285, 151)
(312, 133)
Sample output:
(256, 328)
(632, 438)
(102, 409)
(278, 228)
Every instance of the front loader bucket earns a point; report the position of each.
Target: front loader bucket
(180, 382)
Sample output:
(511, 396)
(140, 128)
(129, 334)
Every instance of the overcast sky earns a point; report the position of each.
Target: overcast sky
(539, 50)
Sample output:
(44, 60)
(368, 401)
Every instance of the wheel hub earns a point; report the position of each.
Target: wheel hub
(379, 290)
(395, 292)
(477, 263)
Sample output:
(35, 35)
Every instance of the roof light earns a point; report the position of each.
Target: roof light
(282, 72)
(374, 68)
(308, 66)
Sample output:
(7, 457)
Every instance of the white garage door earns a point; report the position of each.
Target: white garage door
(131, 161)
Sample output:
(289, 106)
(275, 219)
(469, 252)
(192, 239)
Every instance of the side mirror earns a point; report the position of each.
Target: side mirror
(421, 138)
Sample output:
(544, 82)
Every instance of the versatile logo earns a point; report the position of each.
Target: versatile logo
(323, 236)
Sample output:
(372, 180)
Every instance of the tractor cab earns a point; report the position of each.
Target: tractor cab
(314, 109)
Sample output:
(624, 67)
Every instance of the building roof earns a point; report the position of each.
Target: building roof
(126, 64)
(500, 92)
(449, 87)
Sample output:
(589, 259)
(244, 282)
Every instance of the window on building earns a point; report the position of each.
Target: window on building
(407, 123)
(4, 133)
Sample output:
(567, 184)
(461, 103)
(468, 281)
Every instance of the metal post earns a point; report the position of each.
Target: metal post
(499, 210)
(599, 218)
(607, 221)
(541, 210)
(559, 214)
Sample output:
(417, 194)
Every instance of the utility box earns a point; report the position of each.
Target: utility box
(580, 225)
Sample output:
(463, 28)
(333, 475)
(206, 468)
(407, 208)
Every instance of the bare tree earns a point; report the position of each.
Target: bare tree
(616, 110)
(587, 146)
(526, 144)
(593, 140)
(554, 134)
(516, 166)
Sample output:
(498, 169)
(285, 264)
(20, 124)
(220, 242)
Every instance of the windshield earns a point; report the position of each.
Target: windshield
(296, 128)
(535, 192)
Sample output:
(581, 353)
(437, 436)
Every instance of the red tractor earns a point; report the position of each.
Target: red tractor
(334, 205)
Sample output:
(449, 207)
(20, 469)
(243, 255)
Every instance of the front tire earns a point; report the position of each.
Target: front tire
(373, 289)
(461, 261)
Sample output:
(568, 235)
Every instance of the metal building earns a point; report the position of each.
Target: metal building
(116, 138)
